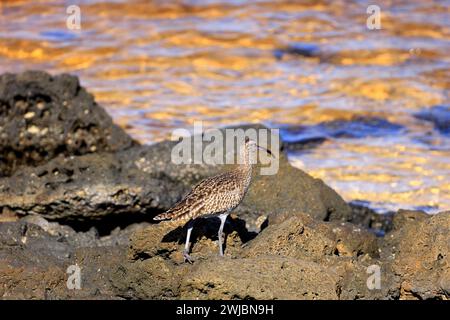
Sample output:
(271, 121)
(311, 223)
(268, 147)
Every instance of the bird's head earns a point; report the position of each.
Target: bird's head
(251, 146)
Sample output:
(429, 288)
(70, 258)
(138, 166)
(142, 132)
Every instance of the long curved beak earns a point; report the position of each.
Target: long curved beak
(266, 150)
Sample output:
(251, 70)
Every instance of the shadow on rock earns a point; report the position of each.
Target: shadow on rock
(167, 239)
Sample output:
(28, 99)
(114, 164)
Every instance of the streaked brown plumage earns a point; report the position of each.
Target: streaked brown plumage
(215, 196)
(212, 196)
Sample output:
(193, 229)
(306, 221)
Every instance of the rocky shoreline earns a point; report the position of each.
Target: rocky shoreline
(75, 189)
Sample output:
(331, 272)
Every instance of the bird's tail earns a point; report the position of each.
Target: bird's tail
(178, 213)
(163, 216)
(173, 214)
(184, 210)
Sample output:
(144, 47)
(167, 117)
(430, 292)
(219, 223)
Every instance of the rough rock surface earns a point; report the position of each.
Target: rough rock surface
(34, 263)
(265, 277)
(76, 190)
(85, 187)
(298, 258)
(418, 250)
(165, 239)
(42, 116)
(76, 164)
(143, 179)
(155, 253)
(302, 237)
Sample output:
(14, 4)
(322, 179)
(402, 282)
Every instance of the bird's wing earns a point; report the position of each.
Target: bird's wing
(212, 195)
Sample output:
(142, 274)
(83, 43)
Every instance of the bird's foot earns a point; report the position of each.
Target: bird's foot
(187, 257)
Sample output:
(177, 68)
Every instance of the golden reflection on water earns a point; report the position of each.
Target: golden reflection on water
(158, 65)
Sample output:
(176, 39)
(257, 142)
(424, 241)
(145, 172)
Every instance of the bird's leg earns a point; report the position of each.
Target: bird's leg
(186, 255)
(223, 218)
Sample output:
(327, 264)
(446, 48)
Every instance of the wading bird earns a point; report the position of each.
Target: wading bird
(215, 196)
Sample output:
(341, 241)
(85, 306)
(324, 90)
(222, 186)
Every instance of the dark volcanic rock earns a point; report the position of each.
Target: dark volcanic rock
(298, 258)
(290, 190)
(164, 239)
(155, 266)
(85, 187)
(63, 161)
(363, 215)
(34, 261)
(265, 277)
(81, 166)
(418, 251)
(439, 115)
(302, 237)
(156, 270)
(42, 116)
(155, 278)
(308, 50)
(143, 179)
(302, 137)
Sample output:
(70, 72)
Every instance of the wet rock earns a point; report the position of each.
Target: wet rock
(418, 250)
(363, 215)
(300, 137)
(308, 50)
(43, 116)
(439, 115)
